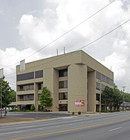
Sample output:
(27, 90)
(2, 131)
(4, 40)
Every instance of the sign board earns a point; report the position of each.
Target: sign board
(22, 65)
(79, 103)
(1, 73)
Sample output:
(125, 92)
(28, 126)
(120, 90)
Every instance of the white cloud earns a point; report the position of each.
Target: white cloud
(58, 16)
(12, 57)
(1, 12)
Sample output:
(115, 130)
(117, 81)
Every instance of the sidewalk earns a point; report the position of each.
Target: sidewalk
(5, 120)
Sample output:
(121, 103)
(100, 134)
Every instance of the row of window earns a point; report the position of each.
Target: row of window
(62, 96)
(104, 78)
(28, 97)
(30, 75)
(100, 86)
(62, 84)
(39, 74)
(26, 87)
(29, 87)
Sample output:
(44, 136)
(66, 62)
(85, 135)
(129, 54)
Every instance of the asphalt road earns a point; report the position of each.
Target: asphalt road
(115, 126)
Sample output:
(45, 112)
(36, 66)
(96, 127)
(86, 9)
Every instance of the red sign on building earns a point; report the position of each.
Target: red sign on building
(79, 103)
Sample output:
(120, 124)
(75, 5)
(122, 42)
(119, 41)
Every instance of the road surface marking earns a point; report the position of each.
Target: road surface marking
(115, 129)
(67, 130)
(108, 122)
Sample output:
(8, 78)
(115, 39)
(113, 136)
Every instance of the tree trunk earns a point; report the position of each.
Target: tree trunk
(5, 111)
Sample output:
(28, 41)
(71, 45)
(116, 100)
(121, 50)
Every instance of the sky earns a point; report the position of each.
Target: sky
(26, 26)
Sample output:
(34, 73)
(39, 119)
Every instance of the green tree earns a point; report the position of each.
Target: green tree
(107, 97)
(126, 97)
(32, 107)
(117, 98)
(111, 97)
(8, 95)
(45, 98)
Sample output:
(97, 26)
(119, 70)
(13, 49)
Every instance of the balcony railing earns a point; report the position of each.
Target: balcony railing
(25, 99)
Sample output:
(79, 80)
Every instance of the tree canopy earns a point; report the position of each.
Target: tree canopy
(111, 97)
(127, 97)
(45, 98)
(8, 94)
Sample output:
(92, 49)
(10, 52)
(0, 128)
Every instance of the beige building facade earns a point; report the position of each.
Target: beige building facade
(75, 80)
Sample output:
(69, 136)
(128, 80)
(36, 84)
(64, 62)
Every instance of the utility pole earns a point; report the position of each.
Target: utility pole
(64, 50)
(57, 51)
(123, 96)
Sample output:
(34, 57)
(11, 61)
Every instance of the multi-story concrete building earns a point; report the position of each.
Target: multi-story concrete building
(75, 80)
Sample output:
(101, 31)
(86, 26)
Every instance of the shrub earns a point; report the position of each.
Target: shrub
(32, 107)
(72, 113)
(79, 113)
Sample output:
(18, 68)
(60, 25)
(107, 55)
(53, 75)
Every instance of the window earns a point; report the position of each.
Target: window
(63, 107)
(63, 96)
(26, 76)
(39, 74)
(98, 75)
(40, 86)
(104, 78)
(103, 87)
(28, 97)
(63, 73)
(97, 96)
(26, 87)
(63, 84)
(97, 86)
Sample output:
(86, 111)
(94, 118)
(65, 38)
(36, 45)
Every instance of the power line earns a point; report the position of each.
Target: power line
(68, 31)
(91, 41)
(71, 29)
(7, 66)
(105, 34)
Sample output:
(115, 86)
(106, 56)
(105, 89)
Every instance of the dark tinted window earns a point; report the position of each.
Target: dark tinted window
(28, 97)
(103, 87)
(98, 75)
(25, 76)
(97, 86)
(39, 74)
(63, 73)
(63, 84)
(97, 96)
(104, 78)
(63, 107)
(63, 96)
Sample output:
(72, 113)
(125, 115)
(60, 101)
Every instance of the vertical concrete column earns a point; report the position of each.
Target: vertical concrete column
(92, 91)
(55, 90)
(50, 80)
(77, 87)
(36, 96)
